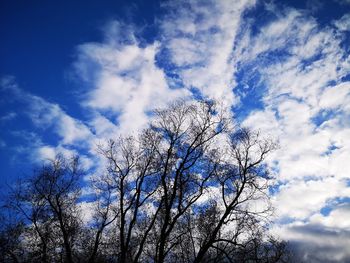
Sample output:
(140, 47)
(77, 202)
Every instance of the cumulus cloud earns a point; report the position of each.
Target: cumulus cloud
(125, 80)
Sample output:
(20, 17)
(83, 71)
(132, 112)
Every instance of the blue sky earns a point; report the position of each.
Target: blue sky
(74, 73)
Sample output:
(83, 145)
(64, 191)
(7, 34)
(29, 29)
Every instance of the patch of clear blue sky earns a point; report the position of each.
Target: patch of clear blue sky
(38, 46)
(323, 116)
(333, 204)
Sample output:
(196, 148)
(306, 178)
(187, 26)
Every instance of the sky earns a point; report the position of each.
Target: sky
(74, 73)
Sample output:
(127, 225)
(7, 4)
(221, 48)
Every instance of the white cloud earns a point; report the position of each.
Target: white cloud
(334, 97)
(265, 121)
(46, 153)
(103, 127)
(301, 199)
(46, 115)
(127, 83)
(72, 130)
(306, 106)
(343, 24)
(200, 37)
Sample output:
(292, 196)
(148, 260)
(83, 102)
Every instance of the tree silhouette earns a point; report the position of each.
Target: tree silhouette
(192, 187)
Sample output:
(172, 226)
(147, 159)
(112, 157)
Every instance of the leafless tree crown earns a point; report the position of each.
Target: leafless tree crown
(192, 187)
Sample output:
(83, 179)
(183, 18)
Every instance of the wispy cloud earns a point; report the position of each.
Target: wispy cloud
(47, 118)
(8, 116)
(47, 115)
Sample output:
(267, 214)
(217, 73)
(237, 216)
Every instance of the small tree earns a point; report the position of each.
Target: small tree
(11, 229)
(47, 203)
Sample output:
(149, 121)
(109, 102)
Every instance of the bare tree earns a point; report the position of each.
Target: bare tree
(191, 177)
(47, 201)
(242, 180)
(132, 176)
(103, 217)
(156, 177)
(11, 229)
(192, 187)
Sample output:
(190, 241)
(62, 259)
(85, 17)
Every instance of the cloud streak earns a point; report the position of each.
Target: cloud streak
(46, 117)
